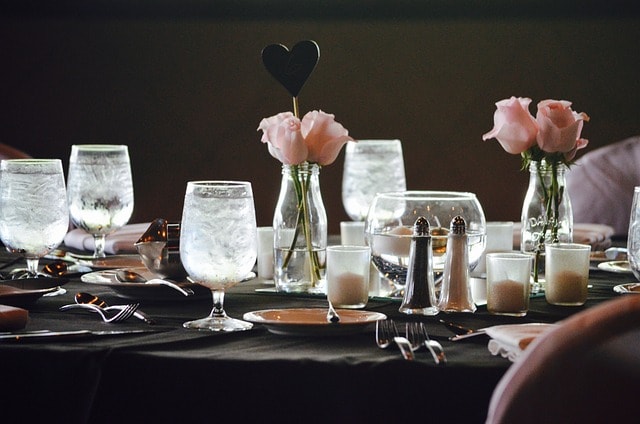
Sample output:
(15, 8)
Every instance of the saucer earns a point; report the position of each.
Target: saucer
(112, 262)
(312, 321)
(142, 291)
(629, 288)
(621, 267)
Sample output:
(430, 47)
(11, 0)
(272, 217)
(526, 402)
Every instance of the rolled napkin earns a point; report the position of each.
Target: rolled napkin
(120, 241)
(12, 318)
(511, 340)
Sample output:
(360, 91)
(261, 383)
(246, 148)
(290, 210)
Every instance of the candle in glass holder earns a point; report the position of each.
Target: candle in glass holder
(566, 273)
(508, 277)
(348, 276)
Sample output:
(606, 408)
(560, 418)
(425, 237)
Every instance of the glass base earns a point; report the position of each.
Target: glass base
(223, 323)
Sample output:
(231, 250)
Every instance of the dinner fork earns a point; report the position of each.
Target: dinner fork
(417, 335)
(386, 330)
(123, 314)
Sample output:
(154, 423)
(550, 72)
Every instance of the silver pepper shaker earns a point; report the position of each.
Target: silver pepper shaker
(419, 291)
(455, 295)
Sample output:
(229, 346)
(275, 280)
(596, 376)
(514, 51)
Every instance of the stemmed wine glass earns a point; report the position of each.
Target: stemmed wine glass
(370, 167)
(100, 190)
(633, 240)
(218, 243)
(34, 217)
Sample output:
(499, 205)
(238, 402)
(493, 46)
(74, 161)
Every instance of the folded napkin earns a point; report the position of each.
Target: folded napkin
(511, 340)
(598, 236)
(120, 241)
(12, 318)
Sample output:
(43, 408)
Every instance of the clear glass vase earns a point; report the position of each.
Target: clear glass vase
(300, 231)
(547, 216)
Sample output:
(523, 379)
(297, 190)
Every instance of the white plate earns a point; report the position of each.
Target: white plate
(312, 321)
(627, 288)
(142, 291)
(621, 267)
(112, 262)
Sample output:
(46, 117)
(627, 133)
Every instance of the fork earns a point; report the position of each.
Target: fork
(123, 314)
(417, 335)
(386, 330)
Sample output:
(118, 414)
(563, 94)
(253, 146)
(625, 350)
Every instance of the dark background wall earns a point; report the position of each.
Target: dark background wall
(183, 85)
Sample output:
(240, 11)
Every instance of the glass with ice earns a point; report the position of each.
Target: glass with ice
(34, 217)
(370, 167)
(218, 243)
(100, 190)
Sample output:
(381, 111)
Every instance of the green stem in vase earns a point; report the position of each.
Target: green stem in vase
(551, 198)
(298, 189)
(303, 220)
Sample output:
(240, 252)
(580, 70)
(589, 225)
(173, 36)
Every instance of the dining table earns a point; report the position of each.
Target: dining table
(173, 374)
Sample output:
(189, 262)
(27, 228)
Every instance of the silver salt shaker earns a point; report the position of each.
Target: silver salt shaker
(455, 295)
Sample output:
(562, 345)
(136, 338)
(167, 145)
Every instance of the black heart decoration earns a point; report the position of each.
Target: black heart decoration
(291, 68)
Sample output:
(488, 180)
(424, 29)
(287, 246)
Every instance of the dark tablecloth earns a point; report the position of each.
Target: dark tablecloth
(181, 375)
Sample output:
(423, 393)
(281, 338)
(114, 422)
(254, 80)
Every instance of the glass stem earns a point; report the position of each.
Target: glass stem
(99, 240)
(218, 304)
(32, 266)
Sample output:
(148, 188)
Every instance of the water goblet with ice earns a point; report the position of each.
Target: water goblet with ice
(218, 244)
(100, 190)
(633, 239)
(370, 167)
(34, 217)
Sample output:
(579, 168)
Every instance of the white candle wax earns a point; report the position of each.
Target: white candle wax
(566, 287)
(347, 290)
(507, 296)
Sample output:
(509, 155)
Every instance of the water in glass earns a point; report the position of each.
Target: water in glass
(100, 190)
(34, 217)
(218, 243)
(370, 167)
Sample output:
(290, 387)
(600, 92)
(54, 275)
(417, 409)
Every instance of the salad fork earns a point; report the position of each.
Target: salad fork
(123, 314)
(386, 330)
(417, 335)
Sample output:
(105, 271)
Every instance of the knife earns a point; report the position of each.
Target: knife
(68, 335)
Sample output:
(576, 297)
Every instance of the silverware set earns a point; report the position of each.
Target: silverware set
(124, 312)
(416, 336)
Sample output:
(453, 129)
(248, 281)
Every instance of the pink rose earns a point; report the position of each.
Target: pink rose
(323, 136)
(513, 126)
(560, 128)
(284, 138)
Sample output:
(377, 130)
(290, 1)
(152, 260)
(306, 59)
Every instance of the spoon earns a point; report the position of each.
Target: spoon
(56, 269)
(332, 315)
(128, 276)
(82, 298)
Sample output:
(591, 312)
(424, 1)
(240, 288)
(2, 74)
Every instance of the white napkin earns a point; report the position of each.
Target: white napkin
(510, 340)
(120, 241)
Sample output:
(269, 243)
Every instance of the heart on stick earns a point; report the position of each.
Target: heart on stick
(291, 68)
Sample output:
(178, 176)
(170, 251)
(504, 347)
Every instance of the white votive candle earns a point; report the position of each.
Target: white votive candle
(347, 276)
(508, 275)
(566, 273)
